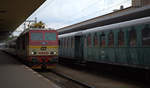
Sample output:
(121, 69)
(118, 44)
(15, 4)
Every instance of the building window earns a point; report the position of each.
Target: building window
(111, 39)
(95, 40)
(89, 41)
(121, 38)
(146, 37)
(102, 40)
(132, 38)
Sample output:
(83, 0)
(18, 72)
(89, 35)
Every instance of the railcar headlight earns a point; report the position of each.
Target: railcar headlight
(33, 52)
(55, 53)
(51, 52)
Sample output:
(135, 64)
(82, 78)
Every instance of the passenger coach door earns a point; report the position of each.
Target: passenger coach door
(78, 47)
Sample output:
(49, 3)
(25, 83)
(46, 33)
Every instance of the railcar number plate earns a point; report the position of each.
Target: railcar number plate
(43, 48)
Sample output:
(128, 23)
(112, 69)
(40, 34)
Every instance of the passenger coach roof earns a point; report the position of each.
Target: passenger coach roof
(145, 20)
(70, 34)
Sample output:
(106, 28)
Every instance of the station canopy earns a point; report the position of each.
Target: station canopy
(14, 12)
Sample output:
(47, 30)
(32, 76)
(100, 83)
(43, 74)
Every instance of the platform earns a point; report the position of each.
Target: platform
(13, 74)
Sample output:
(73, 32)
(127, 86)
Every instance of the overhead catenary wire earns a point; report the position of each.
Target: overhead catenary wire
(98, 11)
(38, 11)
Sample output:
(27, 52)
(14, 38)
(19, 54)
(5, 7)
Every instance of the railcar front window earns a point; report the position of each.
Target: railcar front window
(50, 36)
(36, 36)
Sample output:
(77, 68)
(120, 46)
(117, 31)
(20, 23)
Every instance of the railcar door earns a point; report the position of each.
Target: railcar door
(78, 47)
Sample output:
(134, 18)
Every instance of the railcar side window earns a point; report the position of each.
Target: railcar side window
(63, 42)
(121, 38)
(146, 37)
(66, 42)
(132, 38)
(72, 40)
(85, 42)
(102, 40)
(66, 45)
(111, 39)
(89, 41)
(95, 40)
(69, 41)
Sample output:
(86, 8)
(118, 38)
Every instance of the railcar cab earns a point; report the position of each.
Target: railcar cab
(41, 42)
(38, 47)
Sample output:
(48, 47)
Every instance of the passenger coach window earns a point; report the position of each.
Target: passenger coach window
(72, 42)
(121, 38)
(95, 40)
(85, 42)
(102, 40)
(69, 42)
(146, 37)
(66, 45)
(89, 41)
(132, 38)
(63, 42)
(111, 39)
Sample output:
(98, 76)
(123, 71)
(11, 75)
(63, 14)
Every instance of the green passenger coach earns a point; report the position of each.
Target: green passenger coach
(126, 43)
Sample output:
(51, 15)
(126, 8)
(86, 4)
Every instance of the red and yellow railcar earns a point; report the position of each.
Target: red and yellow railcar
(38, 48)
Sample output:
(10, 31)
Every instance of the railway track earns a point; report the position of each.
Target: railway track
(76, 78)
(64, 81)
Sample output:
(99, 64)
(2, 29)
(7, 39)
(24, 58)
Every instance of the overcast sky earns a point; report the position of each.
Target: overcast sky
(60, 13)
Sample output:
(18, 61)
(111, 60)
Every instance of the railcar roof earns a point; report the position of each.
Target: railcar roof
(70, 34)
(145, 20)
(36, 29)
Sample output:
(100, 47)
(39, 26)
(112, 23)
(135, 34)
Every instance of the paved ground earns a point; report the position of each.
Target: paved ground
(16, 75)
(98, 81)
